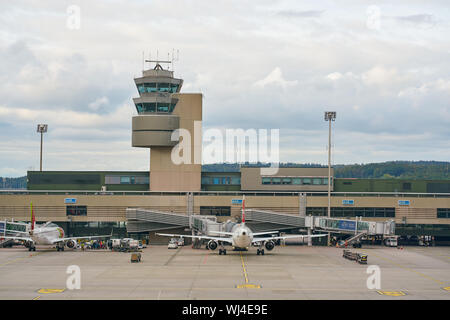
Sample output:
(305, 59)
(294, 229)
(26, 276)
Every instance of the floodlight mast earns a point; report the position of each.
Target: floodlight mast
(329, 116)
(41, 128)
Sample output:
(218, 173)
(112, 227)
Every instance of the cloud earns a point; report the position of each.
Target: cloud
(275, 77)
(301, 14)
(422, 20)
(98, 103)
(260, 65)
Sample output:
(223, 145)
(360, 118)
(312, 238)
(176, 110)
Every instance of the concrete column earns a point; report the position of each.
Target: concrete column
(190, 203)
(302, 204)
(309, 239)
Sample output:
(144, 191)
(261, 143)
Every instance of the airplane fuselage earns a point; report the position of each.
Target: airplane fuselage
(242, 237)
(46, 235)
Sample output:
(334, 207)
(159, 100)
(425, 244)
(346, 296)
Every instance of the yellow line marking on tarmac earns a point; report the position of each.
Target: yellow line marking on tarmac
(392, 293)
(446, 288)
(409, 269)
(246, 285)
(36, 298)
(43, 290)
(243, 267)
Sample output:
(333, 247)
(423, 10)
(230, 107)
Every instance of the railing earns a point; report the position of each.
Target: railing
(224, 193)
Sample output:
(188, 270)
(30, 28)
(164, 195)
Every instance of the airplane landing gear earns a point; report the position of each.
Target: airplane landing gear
(60, 247)
(222, 250)
(32, 248)
(259, 251)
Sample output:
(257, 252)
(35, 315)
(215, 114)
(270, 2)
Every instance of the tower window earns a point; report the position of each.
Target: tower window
(163, 87)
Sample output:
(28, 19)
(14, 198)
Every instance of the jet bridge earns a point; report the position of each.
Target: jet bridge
(10, 228)
(144, 220)
(351, 226)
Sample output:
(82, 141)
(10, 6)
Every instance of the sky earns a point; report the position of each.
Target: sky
(383, 66)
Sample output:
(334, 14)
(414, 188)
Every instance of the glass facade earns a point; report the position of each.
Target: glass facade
(122, 179)
(150, 107)
(295, 180)
(443, 212)
(76, 210)
(215, 211)
(340, 212)
(157, 87)
(221, 180)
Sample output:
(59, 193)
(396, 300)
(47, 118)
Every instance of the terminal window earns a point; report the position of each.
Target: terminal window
(349, 212)
(221, 180)
(295, 180)
(76, 210)
(443, 212)
(215, 211)
(119, 179)
(407, 186)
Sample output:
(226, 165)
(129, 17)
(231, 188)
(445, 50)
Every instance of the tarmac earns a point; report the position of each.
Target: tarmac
(290, 272)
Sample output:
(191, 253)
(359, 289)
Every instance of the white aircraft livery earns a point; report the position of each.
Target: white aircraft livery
(48, 234)
(241, 237)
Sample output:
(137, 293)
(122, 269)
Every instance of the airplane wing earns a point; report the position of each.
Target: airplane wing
(222, 232)
(76, 238)
(195, 237)
(254, 234)
(17, 238)
(288, 237)
(267, 232)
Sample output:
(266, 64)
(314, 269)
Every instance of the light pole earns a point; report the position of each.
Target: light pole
(329, 116)
(41, 128)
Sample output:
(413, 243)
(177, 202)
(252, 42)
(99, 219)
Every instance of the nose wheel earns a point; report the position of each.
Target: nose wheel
(222, 251)
(259, 252)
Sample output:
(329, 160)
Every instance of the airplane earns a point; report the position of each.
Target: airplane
(242, 237)
(48, 234)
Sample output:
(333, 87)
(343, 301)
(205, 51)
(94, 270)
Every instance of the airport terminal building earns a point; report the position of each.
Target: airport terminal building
(94, 202)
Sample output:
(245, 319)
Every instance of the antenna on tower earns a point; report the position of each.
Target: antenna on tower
(175, 58)
(158, 62)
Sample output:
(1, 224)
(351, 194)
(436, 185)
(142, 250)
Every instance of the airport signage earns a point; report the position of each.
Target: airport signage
(2, 227)
(348, 201)
(70, 200)
(403, 202)
(346, 225)
(236, 201)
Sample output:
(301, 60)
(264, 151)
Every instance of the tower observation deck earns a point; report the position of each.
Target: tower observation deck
(162, 109)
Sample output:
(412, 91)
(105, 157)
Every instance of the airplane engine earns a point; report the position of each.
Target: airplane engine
(212, 245)
(71, 244)
(269, 245)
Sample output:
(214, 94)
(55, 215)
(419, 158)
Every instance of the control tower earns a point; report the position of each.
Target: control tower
(161, 110)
